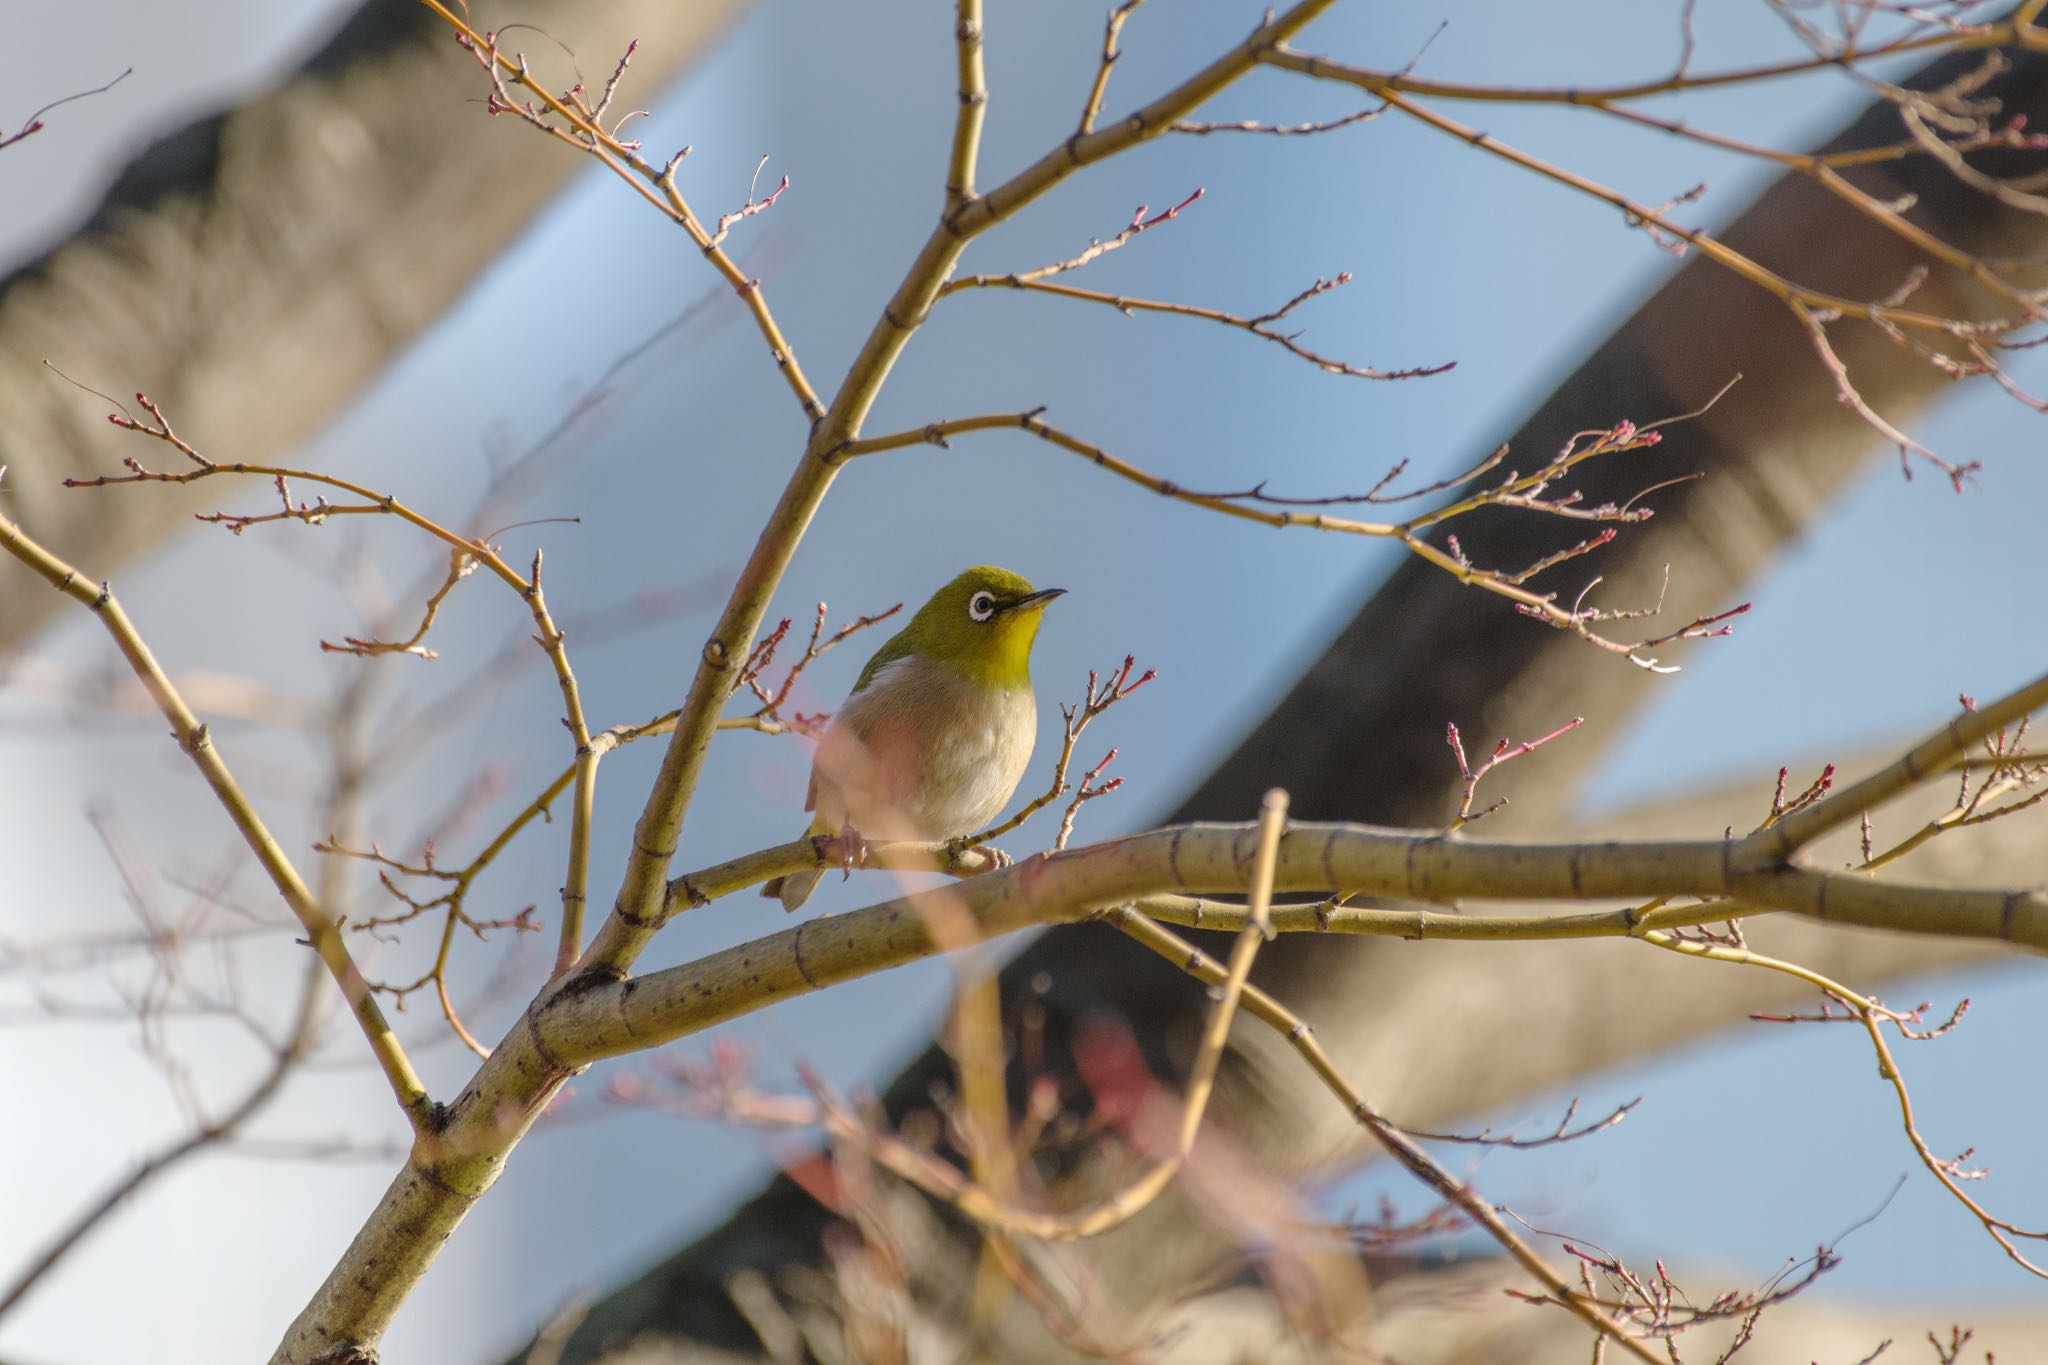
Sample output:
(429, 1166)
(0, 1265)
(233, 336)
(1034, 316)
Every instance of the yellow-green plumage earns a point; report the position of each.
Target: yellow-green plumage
(939, 727)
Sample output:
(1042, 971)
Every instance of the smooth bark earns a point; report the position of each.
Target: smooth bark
(1438, 1034)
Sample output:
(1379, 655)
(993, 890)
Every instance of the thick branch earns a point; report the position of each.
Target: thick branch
(449, 1172)
(1360, 737)
(633, 917)
(662, 1006)
(373, 1277)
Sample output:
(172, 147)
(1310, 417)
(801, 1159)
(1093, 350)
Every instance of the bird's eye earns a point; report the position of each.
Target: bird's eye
(981, 606)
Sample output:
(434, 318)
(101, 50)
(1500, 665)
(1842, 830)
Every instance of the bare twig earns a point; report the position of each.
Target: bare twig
(33, 124)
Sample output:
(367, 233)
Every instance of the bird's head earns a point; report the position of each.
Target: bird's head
(983, 624)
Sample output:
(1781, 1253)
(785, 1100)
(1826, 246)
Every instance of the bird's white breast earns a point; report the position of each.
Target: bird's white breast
(923, 752)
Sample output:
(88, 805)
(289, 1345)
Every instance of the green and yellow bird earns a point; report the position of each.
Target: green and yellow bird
(939, 728)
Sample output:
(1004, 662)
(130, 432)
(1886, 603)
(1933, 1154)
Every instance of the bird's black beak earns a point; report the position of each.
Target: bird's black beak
(1039, 598)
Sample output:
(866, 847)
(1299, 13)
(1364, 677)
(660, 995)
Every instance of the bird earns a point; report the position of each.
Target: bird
(938, 729)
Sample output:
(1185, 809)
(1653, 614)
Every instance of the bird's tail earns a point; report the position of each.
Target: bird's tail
(794, 888)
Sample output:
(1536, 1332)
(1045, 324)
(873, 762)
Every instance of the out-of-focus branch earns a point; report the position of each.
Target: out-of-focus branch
(402, 1236)
(1360, 737)
(1398, 1143)
(341, 728)
(601, 1020)
(243, 209)
(283, 1062)
(633, 921)
(466, 554)
(193, 737)
(570, 1029)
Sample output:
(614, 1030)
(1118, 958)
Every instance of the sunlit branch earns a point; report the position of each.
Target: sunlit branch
(1809, 306)
(194, 738)
(1259, 326)
(1516, 490)
(655, 184)
(1112, 30)
(1397, 1142)
(1874, 1017)
(967, 123)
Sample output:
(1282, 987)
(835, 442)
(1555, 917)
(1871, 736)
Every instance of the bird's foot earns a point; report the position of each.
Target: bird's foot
(853, 851)
(957, 850)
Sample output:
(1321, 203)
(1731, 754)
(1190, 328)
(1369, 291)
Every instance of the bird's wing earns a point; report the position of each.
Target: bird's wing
(898, 647)
(842, 751)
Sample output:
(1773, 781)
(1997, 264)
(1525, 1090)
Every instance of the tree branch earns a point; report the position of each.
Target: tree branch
(193, 737)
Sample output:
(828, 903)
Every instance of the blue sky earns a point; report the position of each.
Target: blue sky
(1865, 630)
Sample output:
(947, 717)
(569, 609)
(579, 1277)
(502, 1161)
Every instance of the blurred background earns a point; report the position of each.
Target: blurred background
(1863, 634)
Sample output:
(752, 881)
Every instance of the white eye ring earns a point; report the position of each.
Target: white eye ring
(981, 606)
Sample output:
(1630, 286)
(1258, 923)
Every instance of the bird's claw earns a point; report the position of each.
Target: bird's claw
(853, 851)
(957, 849)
